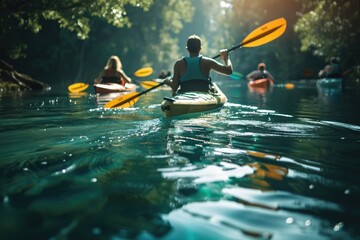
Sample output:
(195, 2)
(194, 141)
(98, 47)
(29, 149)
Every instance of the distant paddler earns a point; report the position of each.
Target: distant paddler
(332, 70)
(113, 72)
(260, 79)
(260, 73)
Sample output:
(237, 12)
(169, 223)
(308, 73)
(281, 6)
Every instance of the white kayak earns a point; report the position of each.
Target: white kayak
(114, 87)
(329, 83)
(193, 102)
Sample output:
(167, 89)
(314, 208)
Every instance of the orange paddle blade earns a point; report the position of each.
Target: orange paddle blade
(124, 101)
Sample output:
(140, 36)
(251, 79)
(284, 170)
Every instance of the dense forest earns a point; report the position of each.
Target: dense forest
(62, 42)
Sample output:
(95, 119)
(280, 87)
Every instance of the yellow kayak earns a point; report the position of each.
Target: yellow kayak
(193, 102)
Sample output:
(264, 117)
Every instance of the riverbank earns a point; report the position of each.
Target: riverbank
(14, 81)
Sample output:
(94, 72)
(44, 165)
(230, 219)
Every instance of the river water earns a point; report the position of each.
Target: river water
(276, 164)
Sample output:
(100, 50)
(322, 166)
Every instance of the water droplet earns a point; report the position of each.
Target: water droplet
(338, 226)
(96, 231)
(347, 191)
(307, 223)
(6, 199)
(290, 220)
(311, 186)
(94, 180)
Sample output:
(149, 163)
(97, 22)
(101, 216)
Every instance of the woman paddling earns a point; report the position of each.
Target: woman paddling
(113, 73)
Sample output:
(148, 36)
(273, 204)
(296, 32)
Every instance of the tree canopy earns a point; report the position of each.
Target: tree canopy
(329, 28)
(73, 15)
(70, 40)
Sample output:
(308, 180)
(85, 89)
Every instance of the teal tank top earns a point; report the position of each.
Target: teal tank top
(193, 70)
(335, 70)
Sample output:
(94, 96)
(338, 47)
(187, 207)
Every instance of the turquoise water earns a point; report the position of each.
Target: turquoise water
(280, 164)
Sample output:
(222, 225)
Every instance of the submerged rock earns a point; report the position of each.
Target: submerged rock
(13, 81)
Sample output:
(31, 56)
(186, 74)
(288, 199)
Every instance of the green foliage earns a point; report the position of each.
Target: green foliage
(237, 19)
(56, 55)
(171, 15)
(73, 15)
(329, 28)
(74, 38)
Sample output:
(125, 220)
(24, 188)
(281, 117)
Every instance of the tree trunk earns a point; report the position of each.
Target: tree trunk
(9, 76)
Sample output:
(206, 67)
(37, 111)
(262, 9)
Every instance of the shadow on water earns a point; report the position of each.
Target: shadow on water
(278, 164)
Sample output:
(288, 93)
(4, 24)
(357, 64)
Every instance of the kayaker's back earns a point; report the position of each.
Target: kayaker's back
(193, 78)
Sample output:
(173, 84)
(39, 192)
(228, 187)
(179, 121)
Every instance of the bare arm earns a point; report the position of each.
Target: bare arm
(99, 78)
(270, 76)
(251, 75)
(175, 82)
(225, 68)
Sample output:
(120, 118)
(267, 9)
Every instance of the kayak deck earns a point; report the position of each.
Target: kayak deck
(114, 87)
(193, 102)
(329, 82)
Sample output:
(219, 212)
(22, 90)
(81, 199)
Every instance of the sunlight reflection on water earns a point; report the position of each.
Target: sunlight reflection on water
(71, 169)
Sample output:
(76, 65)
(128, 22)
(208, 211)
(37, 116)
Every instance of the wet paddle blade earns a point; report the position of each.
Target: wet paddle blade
(265, 33)
(144, 72)
(125, 101)
(289, 86)
(78, 87)
(148, 84)
(236, 76)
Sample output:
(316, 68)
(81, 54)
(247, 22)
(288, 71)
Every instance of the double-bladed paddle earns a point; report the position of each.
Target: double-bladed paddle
(263, 34)
(79, 87)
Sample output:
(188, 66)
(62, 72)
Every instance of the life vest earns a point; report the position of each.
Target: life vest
(334, 72)
(193, 70)
(193, 79)
(110, 76)
(259, 75)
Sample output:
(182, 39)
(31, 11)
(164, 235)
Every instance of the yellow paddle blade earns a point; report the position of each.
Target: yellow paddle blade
(78, 87)
(124, 101)
(144, 72)
(148, 84)
(289, 86)
(265, 33)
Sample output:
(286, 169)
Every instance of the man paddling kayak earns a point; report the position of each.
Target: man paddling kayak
(192, 73)
(260, 73)
(332, 70)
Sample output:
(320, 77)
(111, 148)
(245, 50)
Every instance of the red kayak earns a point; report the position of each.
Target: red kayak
(114, 87)
(260, 83)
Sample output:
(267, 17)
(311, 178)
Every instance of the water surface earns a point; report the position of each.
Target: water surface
(279, 164)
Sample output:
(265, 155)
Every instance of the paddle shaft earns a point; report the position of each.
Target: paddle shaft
(148, 90)
(139, 94)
